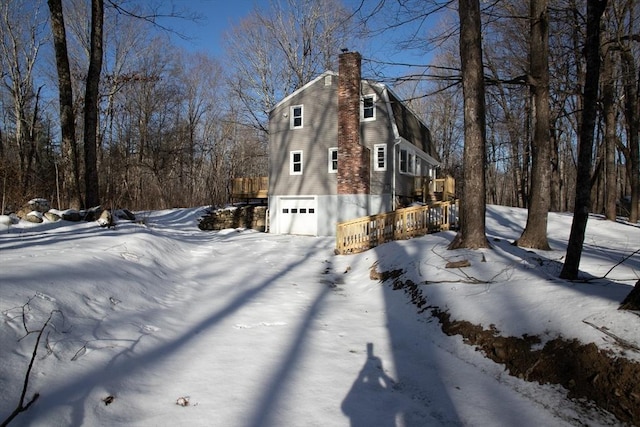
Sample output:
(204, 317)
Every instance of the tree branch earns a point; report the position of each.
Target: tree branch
(21, 404)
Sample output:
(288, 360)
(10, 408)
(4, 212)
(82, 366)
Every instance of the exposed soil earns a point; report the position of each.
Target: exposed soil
(587, 372)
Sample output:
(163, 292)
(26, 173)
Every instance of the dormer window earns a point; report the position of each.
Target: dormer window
(295, 120)
(368, 108)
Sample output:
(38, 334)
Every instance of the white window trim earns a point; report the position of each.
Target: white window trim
(330, 152)
(292, 170)
(292, 117)
(412, 158)
(377, 148)
(368, 119)
(414, 163)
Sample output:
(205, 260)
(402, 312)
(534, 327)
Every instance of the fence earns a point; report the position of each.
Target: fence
(364, 233)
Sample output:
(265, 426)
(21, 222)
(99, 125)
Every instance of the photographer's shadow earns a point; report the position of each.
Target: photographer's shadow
(371, 399)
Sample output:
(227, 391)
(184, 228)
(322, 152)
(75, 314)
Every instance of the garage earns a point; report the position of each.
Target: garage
(298, 215)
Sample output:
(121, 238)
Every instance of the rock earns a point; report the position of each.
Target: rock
(250, 216)
(125, 214)
(71, 215)
(52, 216)
(106, 219)
(92, 214)
(39, 205)
(34, 216)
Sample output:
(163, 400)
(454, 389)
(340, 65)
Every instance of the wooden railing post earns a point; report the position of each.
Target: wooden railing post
(364, 233)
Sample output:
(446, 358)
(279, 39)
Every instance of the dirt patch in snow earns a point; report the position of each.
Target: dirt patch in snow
(587, 372)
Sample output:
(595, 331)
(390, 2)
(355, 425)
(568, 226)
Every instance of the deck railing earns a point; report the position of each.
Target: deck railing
(442, 189)
(364, 233)
(445, 186)
(250, 188)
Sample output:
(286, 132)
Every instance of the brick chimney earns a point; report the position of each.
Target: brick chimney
(353, 158)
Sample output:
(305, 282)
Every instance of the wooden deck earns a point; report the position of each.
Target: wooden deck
(364, 233)
(441, 189)
(250, 188)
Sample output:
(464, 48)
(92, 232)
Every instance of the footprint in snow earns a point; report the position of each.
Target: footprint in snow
(130, 256)
(256, 325)
(149, 329)
(45, 297)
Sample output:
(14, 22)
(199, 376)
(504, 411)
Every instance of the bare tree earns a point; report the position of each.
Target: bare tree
(71, 167)
(631, 84)
(92, 193)
(271, 54)
(535, 232)
(472, 212)
(21, 39)
(595, 10)
(609, 112)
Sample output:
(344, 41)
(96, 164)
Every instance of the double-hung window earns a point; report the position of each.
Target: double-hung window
(333, 160)
(404, 161)
(408, 162)
(295, 162)
(295, 117)
(368, 108)
(380, 157)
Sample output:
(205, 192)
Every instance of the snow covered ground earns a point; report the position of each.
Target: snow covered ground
(156, 323)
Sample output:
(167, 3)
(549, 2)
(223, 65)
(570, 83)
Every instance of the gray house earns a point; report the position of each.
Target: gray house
(341, 148)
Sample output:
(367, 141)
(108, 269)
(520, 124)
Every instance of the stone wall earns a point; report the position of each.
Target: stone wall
(253, 217)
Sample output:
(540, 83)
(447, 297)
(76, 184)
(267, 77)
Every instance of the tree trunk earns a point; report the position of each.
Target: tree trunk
(92, 196)
(595, 9)
(535, 232)
(632, 301)
(556, 187)
(472, 212)
(70, 158)
(632, 115)
(609, 111)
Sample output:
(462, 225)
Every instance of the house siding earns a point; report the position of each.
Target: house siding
(378, 131)
(347, 194)
(318, 134)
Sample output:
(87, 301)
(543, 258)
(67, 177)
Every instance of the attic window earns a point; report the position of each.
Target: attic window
(368, 108)
(327, 80)
(296, 117)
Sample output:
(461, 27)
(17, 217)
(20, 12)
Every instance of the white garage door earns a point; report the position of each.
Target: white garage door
(298, 215)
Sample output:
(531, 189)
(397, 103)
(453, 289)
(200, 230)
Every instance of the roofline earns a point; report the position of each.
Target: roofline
(407, 106)
(300, 89)
(381, 86)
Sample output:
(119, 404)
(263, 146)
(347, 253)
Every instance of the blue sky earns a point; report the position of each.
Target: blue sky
(219, 15)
